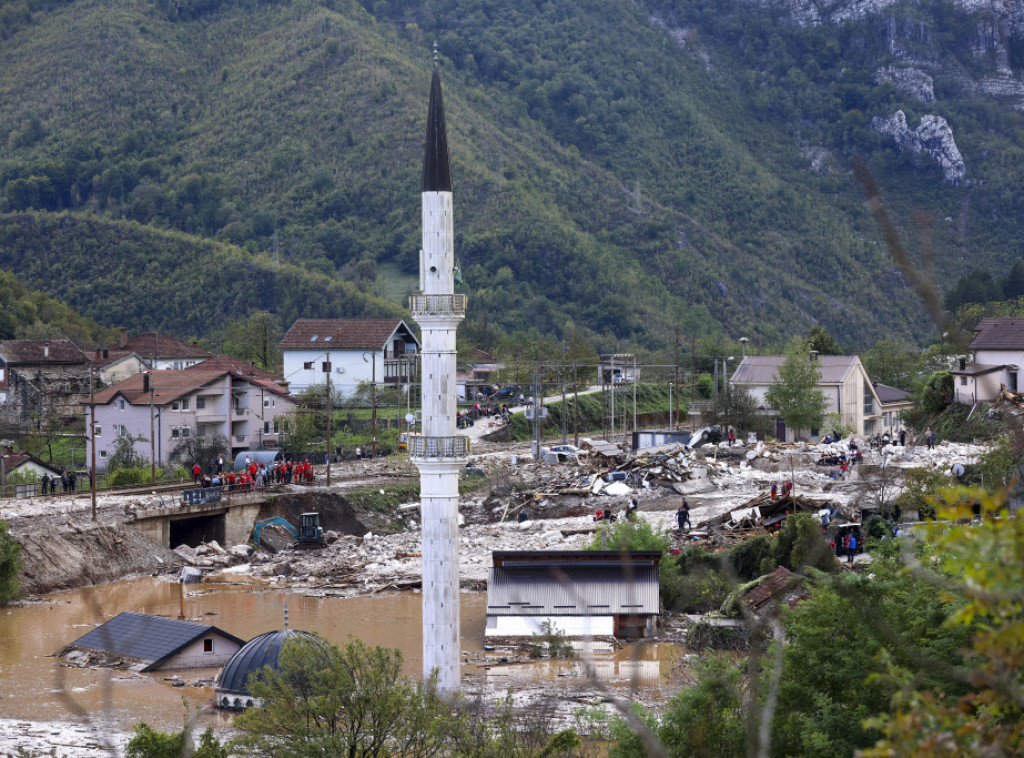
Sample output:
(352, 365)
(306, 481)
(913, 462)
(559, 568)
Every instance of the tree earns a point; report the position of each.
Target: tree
(352, 701)
(737, 408)
(202, 449)
(890, 362)
(976, 286)
(147, 742)
(819, 338)
(255, 340)
(10, 565)
(795, 395)
(125, 455)
(1013, 284)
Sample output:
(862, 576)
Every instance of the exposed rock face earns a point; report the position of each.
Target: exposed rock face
(933, 138)
(913, 81)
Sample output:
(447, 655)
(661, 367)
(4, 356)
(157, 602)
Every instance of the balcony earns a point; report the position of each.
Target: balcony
(437, 305)
(400, 370)
(438, 448)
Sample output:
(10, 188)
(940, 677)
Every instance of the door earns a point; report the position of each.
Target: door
(780, 430)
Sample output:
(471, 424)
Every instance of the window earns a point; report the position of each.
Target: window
(328, 339)
(963, 381)
(175, 406)
(120, 430)
(266, 402)
(327, 367)
(308, 365)
(103, 453)
(174, 432)
(869, 401)
(200, 403)
(97, 431)
(186, 404)
(186, 431)
(120, 404)
(208, 645)
(266, 427)
(314, 338)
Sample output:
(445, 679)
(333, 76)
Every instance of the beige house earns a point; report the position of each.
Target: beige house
(848, 391)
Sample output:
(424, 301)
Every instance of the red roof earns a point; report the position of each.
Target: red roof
(156, 345)
(169, 386)
(15, 459)
(229, 363)
(42, 352)
(341, 333)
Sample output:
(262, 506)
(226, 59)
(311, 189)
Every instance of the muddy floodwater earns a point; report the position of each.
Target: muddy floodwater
(34, 686)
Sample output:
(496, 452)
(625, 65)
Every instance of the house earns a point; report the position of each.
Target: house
(848, 391)
(350, 351)
(111, 369)
(161, 351)
(42, 382)
(163, 408)
(617, 368)
(997, 353)
(23, 466)
(142, 643)
(579, 592)
(892, 402)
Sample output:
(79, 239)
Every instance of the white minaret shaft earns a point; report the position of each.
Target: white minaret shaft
(438, 452)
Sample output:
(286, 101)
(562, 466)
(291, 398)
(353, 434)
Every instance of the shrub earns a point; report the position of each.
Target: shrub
(747, 556)
(10, 565)
(129, 475)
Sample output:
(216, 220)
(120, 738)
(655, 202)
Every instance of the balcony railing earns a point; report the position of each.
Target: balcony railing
(437, 305)
(438, 447)
(401, 370)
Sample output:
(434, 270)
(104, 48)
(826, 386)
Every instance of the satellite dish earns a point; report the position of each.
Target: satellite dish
(410, 419)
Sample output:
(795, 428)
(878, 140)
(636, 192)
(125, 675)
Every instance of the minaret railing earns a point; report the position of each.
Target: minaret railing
(438, 448)
(437, 305)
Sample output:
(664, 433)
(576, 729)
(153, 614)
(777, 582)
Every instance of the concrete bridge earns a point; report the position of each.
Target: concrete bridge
(227, 517)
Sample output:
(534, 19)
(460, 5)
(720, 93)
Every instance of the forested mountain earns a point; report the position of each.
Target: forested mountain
(629, 167)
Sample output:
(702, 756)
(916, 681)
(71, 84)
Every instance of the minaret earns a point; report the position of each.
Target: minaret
(438, 453)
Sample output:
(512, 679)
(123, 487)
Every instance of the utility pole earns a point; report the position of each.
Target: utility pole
(670, 427)
(670, 409)
(613, 394)
(576, 404)
(561, 376)
(693, 370)
(536, 417)
(152, 429)
(330, 412)
(636, 378)
(92, 433)
(373, 404)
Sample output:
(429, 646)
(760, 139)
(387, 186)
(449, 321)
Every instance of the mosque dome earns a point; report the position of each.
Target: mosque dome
(232, 689)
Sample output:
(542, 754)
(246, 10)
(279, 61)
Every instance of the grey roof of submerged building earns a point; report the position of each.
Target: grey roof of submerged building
(260, 651)
(437, 173)
(146, 638)
(575, 583)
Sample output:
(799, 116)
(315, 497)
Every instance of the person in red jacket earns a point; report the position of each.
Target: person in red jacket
(231, 480)
(197, 473)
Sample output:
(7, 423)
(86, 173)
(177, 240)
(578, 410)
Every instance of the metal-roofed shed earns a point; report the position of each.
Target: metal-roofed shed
(581, 593)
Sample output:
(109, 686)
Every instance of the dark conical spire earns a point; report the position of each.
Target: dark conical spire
(437, 175)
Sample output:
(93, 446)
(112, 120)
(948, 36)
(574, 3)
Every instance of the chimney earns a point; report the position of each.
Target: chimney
(124, 338)
(195, 343)
(145, 381)
(963, 363)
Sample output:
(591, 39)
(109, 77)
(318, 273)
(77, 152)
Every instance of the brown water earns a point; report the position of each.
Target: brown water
(35, 686)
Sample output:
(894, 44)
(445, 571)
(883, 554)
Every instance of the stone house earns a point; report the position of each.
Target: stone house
(42, 383)
(159, 350)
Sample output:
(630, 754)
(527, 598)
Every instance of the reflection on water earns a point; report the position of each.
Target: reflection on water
(36, 687)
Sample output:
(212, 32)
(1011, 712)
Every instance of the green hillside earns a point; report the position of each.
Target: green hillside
(172, 165)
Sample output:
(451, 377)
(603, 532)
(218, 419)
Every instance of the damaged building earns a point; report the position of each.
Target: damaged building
(42, 385)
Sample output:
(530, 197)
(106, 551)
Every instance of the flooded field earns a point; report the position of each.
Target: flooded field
(37, 687)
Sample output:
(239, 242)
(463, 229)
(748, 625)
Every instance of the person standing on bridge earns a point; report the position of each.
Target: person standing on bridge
(197, 473)
(220, 464)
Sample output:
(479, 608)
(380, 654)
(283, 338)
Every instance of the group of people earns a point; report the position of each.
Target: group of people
(787, 487)
(848, 545)
(67, 482)
(255, 475)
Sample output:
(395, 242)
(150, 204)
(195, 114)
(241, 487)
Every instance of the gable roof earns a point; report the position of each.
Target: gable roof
(782, 584)
(342, 334)
(18, 457)
(998, 334)
(887, 394)
(171, 385)
(763, 369)
(41, 351)
(146, 638)
(237, 365)
(154, 344)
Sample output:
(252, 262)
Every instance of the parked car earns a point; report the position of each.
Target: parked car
(505, 394)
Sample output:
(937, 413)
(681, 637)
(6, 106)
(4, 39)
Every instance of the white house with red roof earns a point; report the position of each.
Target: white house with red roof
(350, 351)
(159, 350)
(244, 405)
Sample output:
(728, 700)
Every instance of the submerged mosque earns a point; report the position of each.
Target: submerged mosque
(438, 452)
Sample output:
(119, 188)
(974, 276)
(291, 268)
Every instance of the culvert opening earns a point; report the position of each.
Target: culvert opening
(197, 530)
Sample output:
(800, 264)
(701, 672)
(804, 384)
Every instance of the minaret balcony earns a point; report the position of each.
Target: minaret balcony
(423, 448)
(437, 305)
